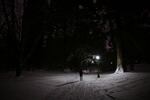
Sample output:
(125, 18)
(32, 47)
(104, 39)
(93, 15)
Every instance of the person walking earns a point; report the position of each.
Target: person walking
(81, 74)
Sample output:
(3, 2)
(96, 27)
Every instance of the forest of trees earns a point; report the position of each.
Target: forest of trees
(51, 33)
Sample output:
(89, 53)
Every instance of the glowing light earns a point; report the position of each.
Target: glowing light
(92, 61)
(97, 57)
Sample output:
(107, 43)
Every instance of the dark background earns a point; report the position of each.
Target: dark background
(51, 33)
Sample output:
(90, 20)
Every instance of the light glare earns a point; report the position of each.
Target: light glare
(97, 57)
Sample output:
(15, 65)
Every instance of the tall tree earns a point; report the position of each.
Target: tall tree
(16, 14)
(13, 12)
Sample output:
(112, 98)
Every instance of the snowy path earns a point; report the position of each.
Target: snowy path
(66, 86)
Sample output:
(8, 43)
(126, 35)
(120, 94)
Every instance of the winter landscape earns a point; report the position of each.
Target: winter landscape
(41, 85)
(74, 50)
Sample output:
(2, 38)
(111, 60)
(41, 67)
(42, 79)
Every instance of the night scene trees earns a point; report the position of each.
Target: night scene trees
(15, 16)
(12, 17)
(56, 31)
(74, 50)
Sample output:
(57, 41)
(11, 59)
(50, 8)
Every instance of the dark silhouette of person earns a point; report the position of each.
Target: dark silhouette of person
(81, 74)
(98, 73)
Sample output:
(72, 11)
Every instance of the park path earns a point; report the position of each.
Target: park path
(66, 86)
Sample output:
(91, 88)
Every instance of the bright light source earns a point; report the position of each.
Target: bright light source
(97, 57)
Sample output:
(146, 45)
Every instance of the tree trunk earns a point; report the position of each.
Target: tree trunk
(119, 68)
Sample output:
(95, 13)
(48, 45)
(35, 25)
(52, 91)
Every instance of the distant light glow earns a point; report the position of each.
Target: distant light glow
(81, 7)
(97, 57)
(92, 61)
(111, 62)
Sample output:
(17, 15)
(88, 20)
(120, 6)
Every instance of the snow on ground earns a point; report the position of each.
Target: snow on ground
(66, 86)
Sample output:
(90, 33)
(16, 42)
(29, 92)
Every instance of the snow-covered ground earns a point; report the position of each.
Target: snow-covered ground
(41, 85)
